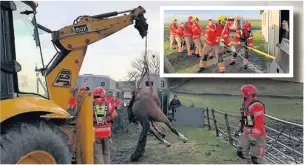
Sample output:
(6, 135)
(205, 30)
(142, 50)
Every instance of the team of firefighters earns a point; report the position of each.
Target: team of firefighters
(217, 37)
(251, 147)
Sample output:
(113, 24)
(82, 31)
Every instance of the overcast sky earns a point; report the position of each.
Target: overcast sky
(182, 15)
(111, 56)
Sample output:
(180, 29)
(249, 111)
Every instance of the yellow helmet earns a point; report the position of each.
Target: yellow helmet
(194, 18)
(221, 18)
(174, 19)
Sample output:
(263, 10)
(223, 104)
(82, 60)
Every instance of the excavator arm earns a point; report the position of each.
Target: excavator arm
(72, 41)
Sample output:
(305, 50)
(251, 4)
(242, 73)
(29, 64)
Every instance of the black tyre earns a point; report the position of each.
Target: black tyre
(28, 137)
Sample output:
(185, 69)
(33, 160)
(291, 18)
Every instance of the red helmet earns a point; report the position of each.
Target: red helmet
(99, 92)
(248, 90)
(189, 18)
(82, 88)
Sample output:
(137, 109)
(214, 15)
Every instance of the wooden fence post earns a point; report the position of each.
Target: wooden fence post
(208, 120)
(204, 117)
(230, 139)
(215, 122)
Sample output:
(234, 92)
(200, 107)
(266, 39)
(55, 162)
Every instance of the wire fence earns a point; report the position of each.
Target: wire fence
(284, 139)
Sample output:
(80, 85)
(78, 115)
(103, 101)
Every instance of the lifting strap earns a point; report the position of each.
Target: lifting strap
(146, 69)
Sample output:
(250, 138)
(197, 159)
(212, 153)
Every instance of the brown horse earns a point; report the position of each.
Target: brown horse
(145, 109)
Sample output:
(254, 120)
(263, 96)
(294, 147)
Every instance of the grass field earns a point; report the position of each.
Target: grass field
(203, 147)
(256, 24)
(287, 109)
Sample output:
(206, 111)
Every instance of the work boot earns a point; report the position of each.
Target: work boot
(232, 63)
(211, 57)
(200, 70)
(245, 67)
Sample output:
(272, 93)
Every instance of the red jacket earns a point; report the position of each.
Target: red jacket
(211, 35)
(218, 33)
(173, 28)
(244, 36)
(72, 102)
(225, 36)
(188, 29)
(111, 100)
(247, 25)
(256, 109)
(180, 31)
(196, 31)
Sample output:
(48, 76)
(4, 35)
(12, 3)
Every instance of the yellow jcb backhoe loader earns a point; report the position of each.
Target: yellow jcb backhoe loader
(35, 126)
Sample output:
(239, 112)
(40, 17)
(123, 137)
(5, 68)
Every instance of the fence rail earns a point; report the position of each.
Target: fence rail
(281, 148)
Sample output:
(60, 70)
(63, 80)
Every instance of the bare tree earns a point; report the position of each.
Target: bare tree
(139, 63)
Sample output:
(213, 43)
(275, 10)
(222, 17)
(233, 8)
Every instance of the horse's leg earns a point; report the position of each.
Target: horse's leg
(140, 149)
(157, 130)
(154, 132)
(164, 119)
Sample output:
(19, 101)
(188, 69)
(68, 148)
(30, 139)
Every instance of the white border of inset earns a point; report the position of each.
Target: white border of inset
(226, 75)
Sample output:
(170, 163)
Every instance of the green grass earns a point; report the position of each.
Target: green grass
(287, 109)
(203, 147)
(167, 50)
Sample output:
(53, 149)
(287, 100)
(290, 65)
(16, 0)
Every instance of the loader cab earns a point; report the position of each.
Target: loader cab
(20, 51)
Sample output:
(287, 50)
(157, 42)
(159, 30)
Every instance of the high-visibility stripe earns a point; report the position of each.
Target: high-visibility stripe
(202, 64)
(225, 35)
(259, 113)
(245, 62)
(256, 131)
(208, 42)
(250, 38)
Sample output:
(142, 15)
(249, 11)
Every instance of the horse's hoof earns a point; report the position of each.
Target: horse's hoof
(163, 135)
(167, 143)
(185, 140)
(134, 158)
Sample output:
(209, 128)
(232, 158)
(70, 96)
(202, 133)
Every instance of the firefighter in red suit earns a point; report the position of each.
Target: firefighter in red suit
(188, 36)
(252, 143)
(196, 36)
(243, 38)
(210, 44)
(179, 37)
(225, 36)
(172, 31)
(104, 113)
(118, 102)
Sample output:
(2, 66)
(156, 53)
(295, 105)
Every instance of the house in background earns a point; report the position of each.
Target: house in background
(158, 83)
(93, 81)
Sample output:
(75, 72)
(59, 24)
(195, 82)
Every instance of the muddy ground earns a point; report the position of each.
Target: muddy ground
(182, 64)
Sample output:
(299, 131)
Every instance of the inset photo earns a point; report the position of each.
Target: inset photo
(244, 41)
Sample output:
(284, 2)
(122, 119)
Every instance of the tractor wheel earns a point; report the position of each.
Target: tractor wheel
(34, 143)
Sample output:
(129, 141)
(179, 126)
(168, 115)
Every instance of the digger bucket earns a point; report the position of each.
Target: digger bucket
(140, 21)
